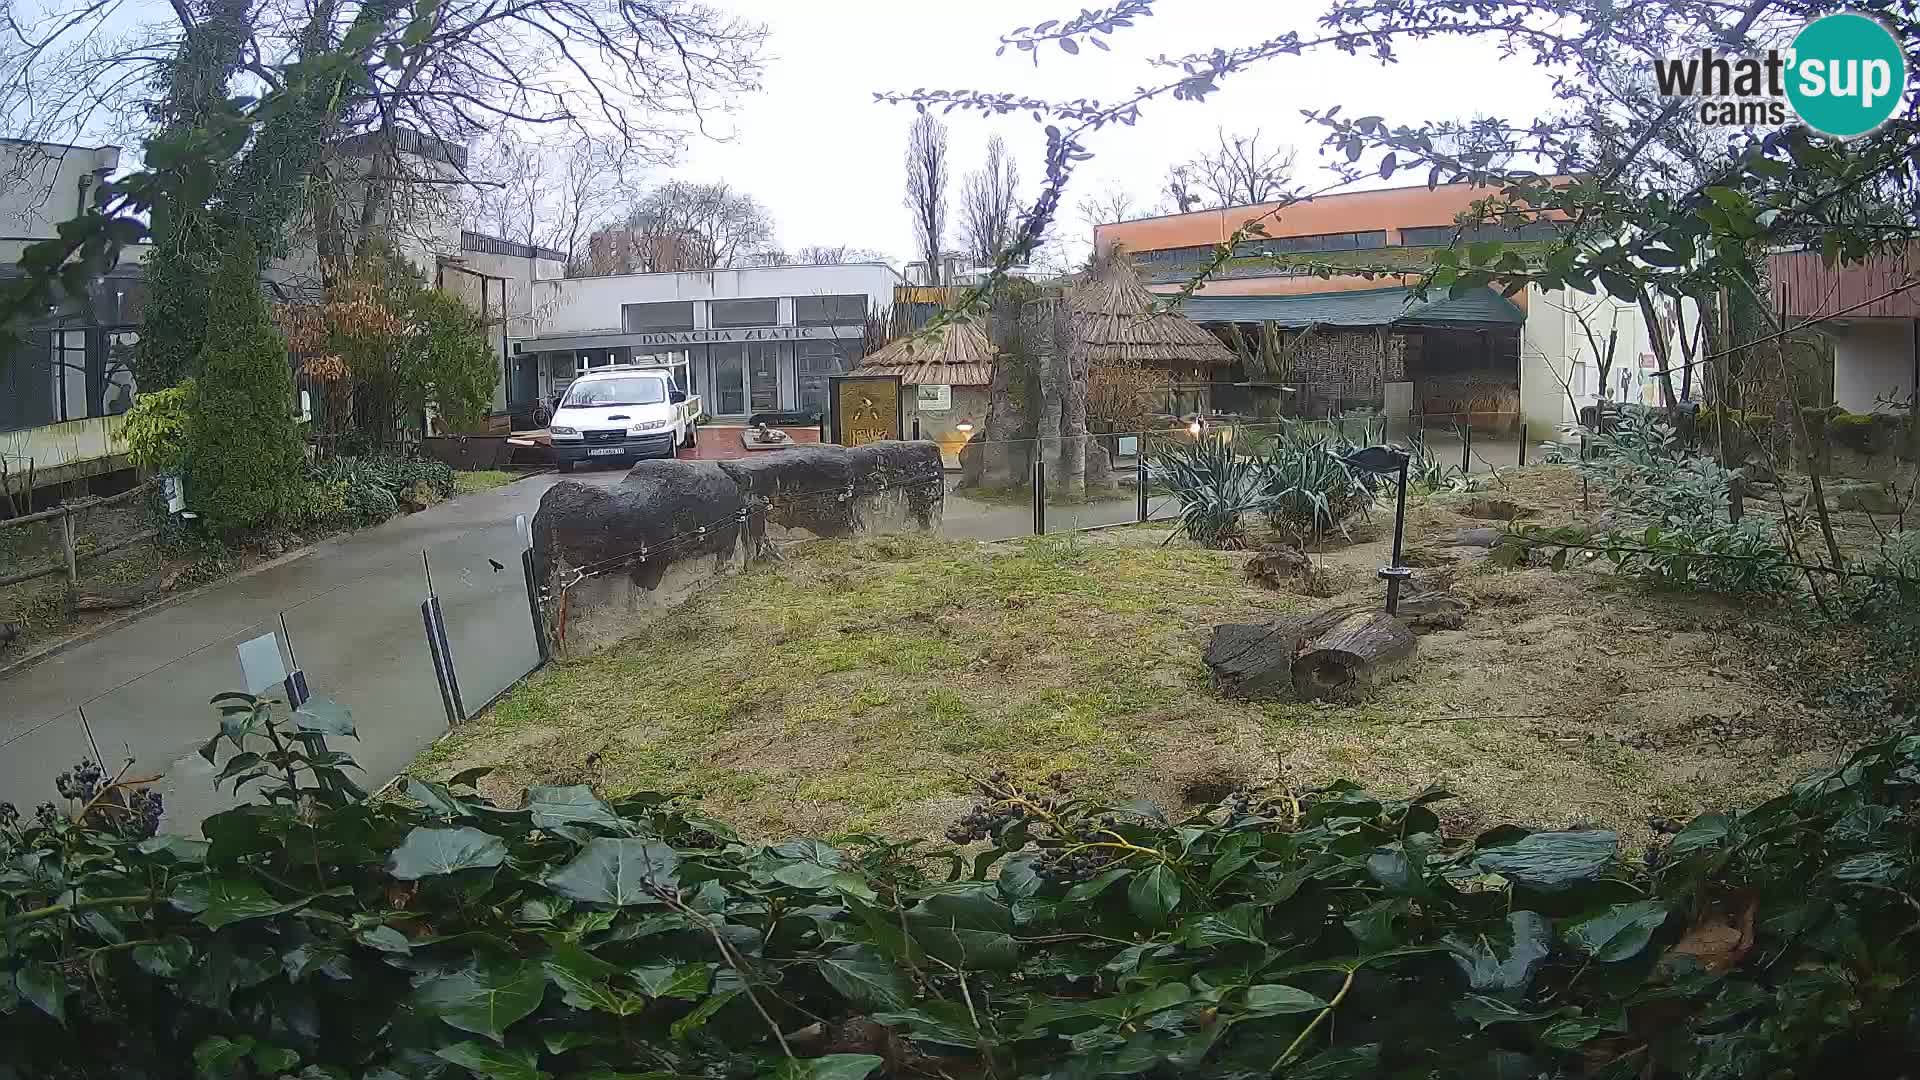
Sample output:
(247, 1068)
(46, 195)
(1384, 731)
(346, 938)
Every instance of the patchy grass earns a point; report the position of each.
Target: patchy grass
(855, 685)
(466, 483)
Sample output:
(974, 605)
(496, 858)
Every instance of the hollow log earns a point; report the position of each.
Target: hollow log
(1359, 650)
(1254, 660)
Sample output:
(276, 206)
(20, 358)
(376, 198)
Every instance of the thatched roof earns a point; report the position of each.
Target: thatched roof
(957, 354)
(1111, 308)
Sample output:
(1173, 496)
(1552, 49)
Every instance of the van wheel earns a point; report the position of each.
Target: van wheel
(565, 466)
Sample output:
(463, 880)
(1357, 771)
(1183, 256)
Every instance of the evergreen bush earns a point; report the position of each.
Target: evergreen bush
(244, 456)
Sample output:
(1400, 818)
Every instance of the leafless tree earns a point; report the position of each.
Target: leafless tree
(1179, 192)
(1108, 205)
(1237, 172)
(703, 226)
(988, 204)
(834, 255)
(926, 197)
(546, 195)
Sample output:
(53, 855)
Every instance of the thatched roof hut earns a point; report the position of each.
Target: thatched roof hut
(1119, 326)
(957, 354)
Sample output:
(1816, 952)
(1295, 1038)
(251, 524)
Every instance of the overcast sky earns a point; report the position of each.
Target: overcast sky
(828, 161)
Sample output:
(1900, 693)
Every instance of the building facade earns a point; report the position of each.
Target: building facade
(747, 342)
(1366, 340)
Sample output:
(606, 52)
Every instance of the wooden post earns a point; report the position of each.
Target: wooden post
(67, 545)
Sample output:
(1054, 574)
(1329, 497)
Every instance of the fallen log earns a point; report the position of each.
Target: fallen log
(1254, 660)
(1361, 649)
(125, 596)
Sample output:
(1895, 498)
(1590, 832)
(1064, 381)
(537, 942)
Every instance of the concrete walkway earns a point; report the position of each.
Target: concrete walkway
(351, 610)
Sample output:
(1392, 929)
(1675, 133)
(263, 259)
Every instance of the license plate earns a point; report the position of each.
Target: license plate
(605, 451)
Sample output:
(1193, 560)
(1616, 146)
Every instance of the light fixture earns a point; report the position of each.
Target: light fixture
(1388, 460)
(963, 427)
(1194, 429)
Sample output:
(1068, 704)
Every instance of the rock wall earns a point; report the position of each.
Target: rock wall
(611, 561)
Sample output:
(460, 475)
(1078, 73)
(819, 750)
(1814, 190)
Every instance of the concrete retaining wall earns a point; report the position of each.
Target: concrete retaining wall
(614, 560)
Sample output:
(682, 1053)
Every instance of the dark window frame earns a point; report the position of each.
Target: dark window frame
(633, 325)
(837, 309)
(714, 308)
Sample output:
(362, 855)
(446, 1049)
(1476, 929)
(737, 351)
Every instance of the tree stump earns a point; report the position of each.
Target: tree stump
(1282, 568)
(1360, 650)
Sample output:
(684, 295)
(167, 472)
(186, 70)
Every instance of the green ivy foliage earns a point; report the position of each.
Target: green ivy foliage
(244, 454)
(1323, 933)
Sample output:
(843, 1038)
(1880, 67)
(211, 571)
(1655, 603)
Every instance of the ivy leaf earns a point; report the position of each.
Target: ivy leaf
(864, 977)
(1274, 999)
(43, 985)
(971, 928)
(572, 804)
(1388, 164)
(1618, 933)
(385, 939)
(1528, 941)
(1153, 895)
(165, 958)
(698, 1018)
(432, 852)
(1239, 924)
(1571, 1034)
(688, 981)
(483, 999)
(1551, 861)
(437, 798)
(805, 875)
(219, 902)
(218, 1056)
(324, 718)
(1096, 885)
(831, 1066)
(274, 1060)
(616, 872)
(1484, 1010)
(493, 1062)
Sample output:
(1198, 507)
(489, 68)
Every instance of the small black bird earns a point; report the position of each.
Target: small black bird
(496, 564)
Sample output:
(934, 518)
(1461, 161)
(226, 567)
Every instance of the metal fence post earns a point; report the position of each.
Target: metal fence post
(1523, 444)
(1039, 490)
(533, 604)
(68, 547)
(1140, 481)
(442, 653)
(916, 427)
(1466, 445)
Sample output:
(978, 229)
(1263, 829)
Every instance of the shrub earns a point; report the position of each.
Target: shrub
(158, 426)
(244, 456)
(1322, 933)
(351, 492)
(1652, 478)
(1216, 482)
(1307, 490)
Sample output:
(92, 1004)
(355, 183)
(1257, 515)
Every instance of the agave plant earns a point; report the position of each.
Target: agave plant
(1217, 481)
(1307, 490)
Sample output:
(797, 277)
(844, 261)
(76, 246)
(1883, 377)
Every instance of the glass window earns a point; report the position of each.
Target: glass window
(814, 363)
(1375, 239)
(726, 313)
(630, 390)
(828, 310)
(729, 379)
(641, 318)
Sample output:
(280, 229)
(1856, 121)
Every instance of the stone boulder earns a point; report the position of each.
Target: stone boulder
(613, 559)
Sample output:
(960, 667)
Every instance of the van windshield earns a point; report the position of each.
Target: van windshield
(636, 390)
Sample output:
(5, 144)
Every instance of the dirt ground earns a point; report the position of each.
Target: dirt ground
(854, 686)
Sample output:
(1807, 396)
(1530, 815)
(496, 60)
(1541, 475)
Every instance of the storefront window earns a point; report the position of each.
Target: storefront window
(644, 318)
(814, 363)
(763, 374)
(829, 310)
(728, 313)
(729, 379)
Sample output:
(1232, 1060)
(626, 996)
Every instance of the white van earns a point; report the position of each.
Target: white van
(622, 414)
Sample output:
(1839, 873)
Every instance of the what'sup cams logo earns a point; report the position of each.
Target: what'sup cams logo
(1844, 76)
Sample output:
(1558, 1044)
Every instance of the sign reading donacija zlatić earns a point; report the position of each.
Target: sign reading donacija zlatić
(866, 408)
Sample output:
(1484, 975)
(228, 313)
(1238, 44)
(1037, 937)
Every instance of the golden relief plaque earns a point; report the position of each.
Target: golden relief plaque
(866, 408)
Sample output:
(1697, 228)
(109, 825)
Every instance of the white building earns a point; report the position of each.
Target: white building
(748, 341)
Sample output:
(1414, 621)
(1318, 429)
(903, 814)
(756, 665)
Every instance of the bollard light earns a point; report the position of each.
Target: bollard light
(1382, 460)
